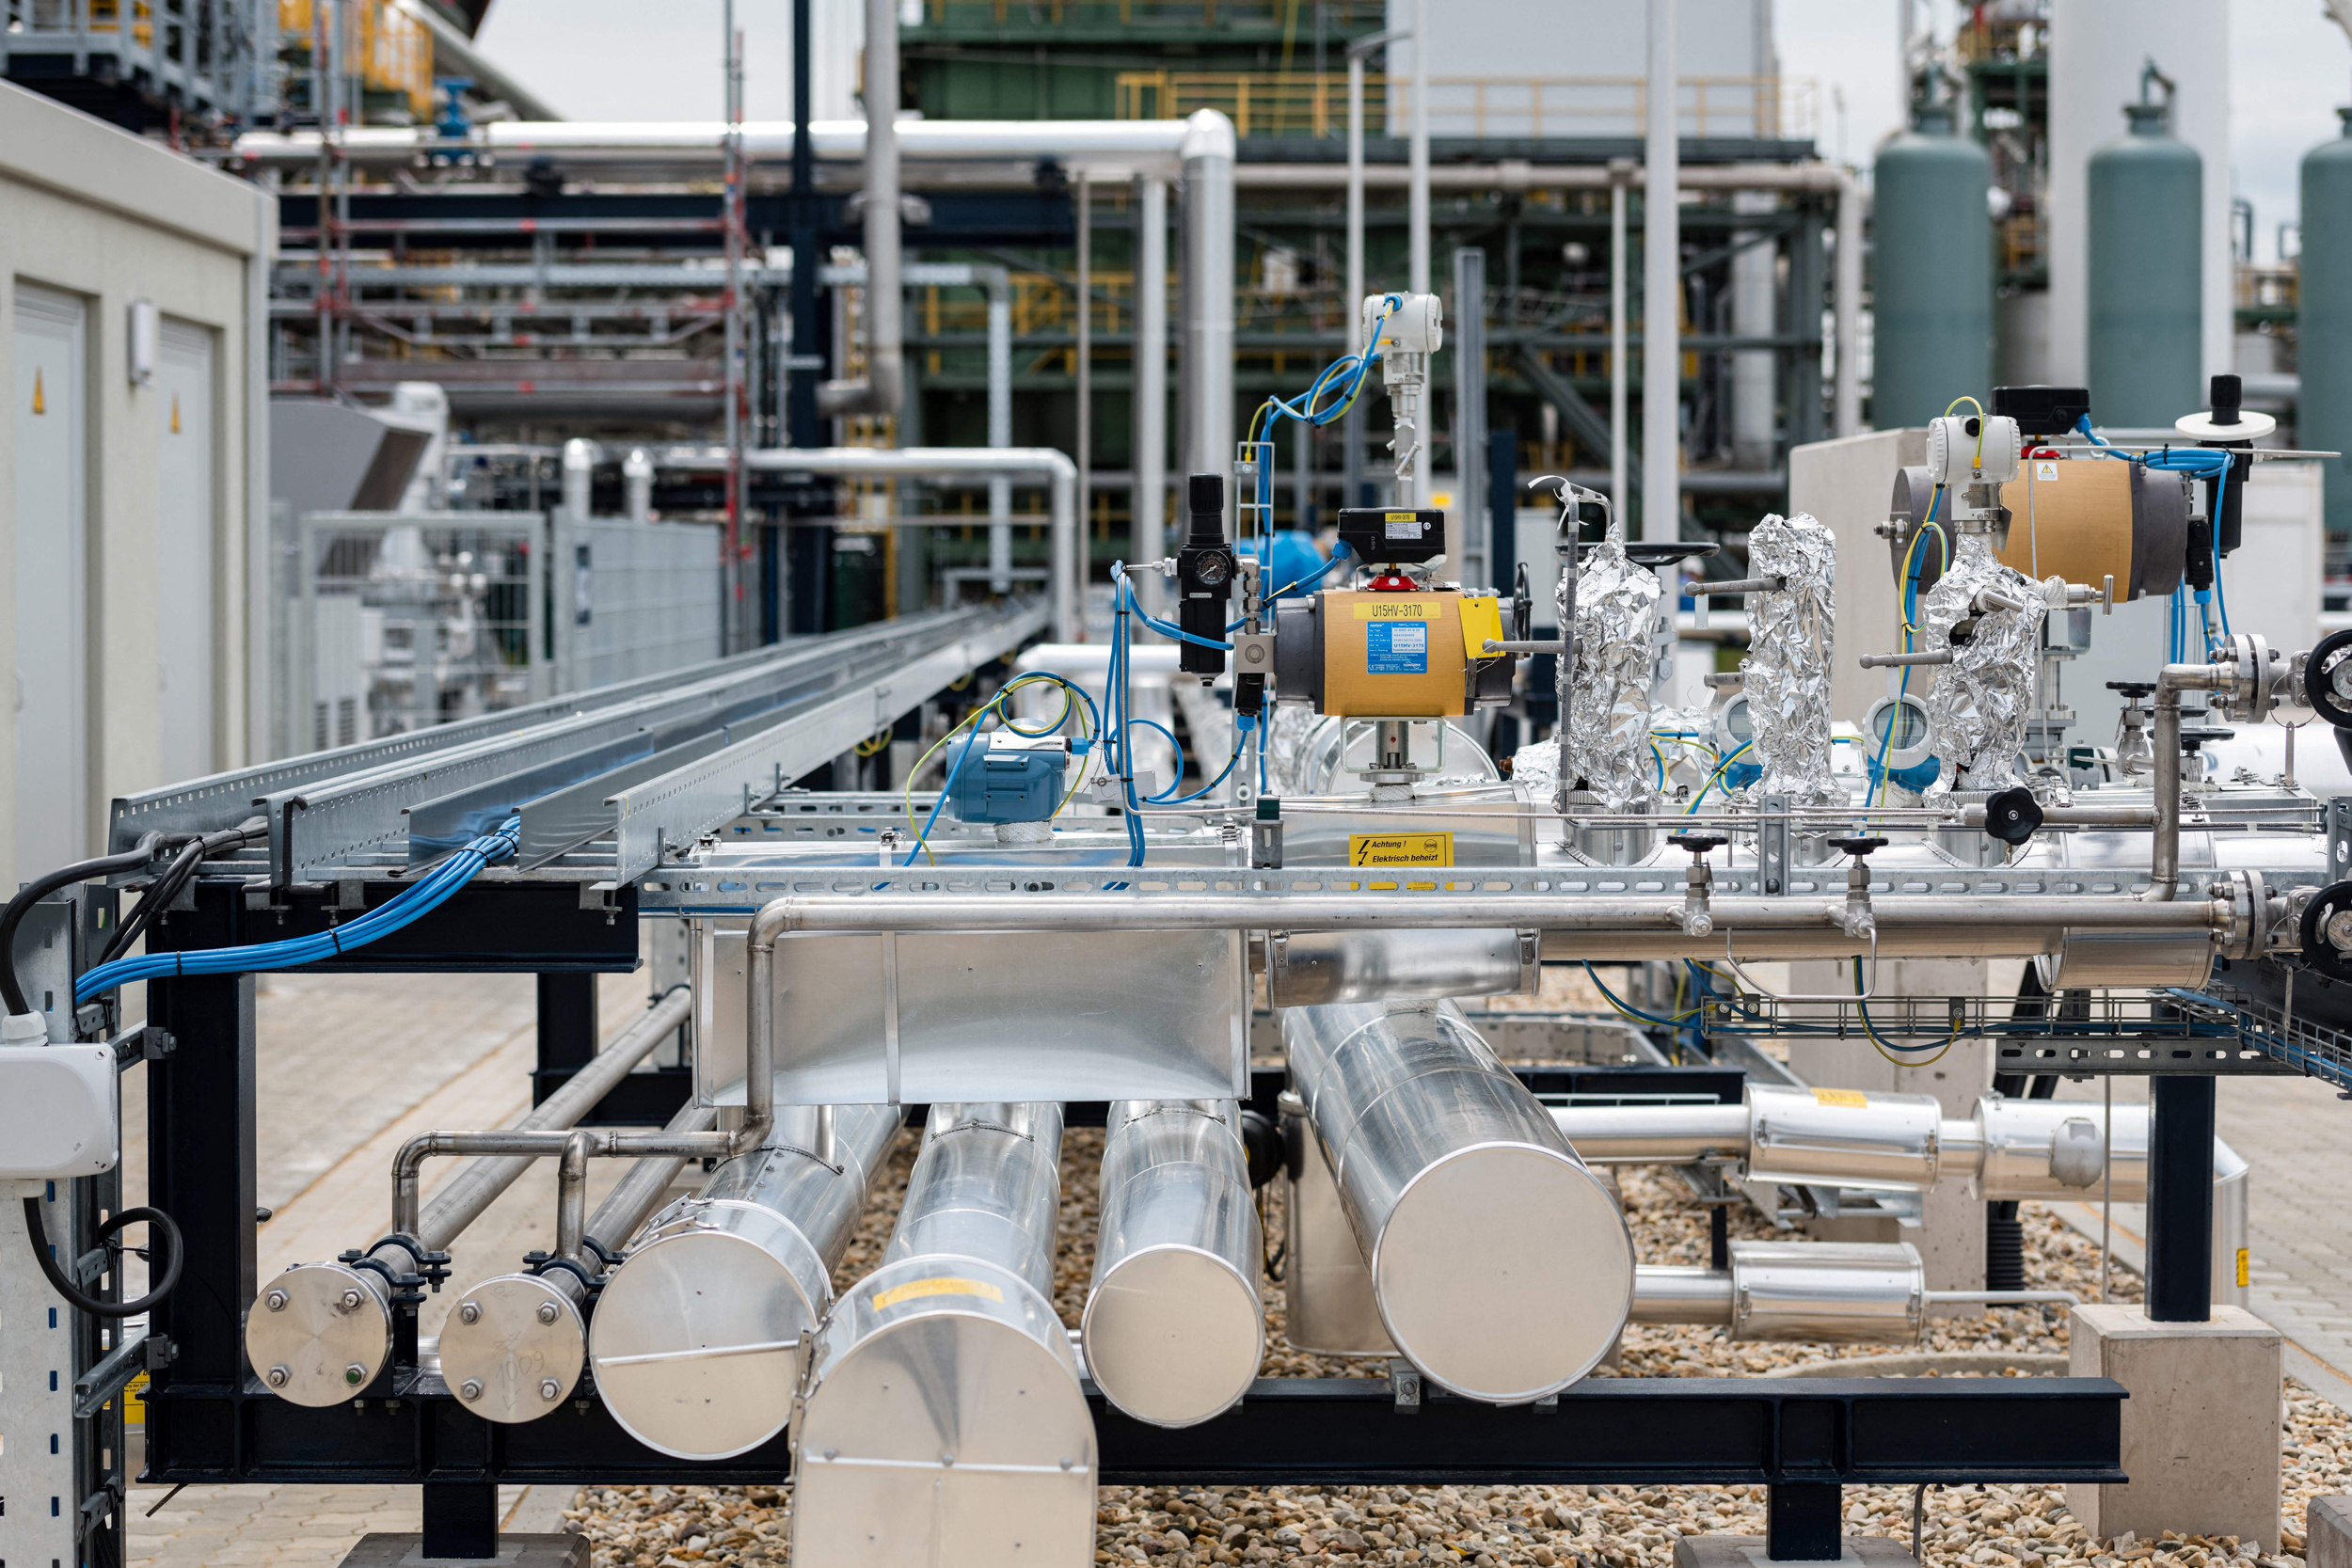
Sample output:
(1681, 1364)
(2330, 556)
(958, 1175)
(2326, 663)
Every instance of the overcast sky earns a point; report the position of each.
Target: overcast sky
(2290, 68)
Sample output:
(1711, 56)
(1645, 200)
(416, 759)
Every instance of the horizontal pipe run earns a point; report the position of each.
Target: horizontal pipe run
(1045, 464)
(1632, 918)
(461, 1201)
(1653, 1134)
(1681, 1294)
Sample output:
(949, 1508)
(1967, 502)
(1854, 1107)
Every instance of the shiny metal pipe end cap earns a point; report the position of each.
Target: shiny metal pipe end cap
(943, 1421)
(695, 1337)
(524, 1338)
(1173, 1336)
(1504, 1272)
(317, 1335)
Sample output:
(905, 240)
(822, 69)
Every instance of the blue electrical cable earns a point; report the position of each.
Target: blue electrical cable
(411, 904)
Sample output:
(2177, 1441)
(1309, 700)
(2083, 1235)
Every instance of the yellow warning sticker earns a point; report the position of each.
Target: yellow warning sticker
(1854, 1098)
(1400, 849)
(1398, 607)
(1401, 518)
(916, 1288)
(2243, 1278)
(135, 1391)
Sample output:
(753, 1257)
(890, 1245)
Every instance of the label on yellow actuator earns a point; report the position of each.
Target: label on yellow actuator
(1399, 848)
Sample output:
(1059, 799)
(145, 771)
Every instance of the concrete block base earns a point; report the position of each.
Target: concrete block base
(379, 1549)
(1747, 1551)
(2200, 1430)
(2327, 1544)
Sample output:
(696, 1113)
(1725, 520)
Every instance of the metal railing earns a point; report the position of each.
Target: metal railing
(201, 55)
(1293, 102)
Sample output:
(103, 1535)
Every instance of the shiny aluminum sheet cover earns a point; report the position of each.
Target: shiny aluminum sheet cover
(1605, 718)
(1977, 713)
(1791, 642)
(960, 1015)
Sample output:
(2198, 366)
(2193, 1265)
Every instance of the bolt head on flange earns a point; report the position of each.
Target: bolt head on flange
(469, 1312)
(549, 1390)
(277, 1377)
(469, 1389)
(275, 1301)
(548, 1313)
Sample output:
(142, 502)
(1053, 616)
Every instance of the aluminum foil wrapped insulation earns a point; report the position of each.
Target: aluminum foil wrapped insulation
(1791, 638)
(1605, 714)
(1977, 713)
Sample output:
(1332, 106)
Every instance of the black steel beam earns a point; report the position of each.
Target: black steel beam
(567, 1029)
(461, 1519)
(486, 928)
(1288, 1432)
(504, 220)
(1801, 1523)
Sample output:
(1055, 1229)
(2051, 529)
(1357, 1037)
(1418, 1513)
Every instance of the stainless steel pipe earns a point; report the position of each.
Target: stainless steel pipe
(941, 1416)
(695, 1335)
(319, 1332)
(1653, 1134)
(1174, 1328)
(1499, 1264)
(1632, 919)
(512, 1347)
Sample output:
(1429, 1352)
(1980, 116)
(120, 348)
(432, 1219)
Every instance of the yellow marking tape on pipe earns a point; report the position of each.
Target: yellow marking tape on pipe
(916, 1288)
(1853, 1098)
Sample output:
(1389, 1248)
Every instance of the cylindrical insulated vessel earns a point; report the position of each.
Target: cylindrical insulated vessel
(1500, 1264)
(695, 1337)
(1931, 273)
(941, 1416)
(2323, 404)
(1174, 1328)
(2147, 270)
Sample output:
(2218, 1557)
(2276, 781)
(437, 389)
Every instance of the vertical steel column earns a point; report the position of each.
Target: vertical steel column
(1150, 459)
(1661, 297)
(461, 1519)
(1475, 567)
(199, 1129)
(1806, 277)
(567, 1030)
(1803, 1522)
(1085, 369)
(807, 551)
(2180, 1200)
(1352, 301)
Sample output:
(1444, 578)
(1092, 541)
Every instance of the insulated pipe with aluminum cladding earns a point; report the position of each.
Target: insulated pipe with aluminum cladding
(941, 1416)
(513, 1346)
(1501, 1265)
(319, 1332)
(1174, 1328)
(883, 386)
(696, 1333)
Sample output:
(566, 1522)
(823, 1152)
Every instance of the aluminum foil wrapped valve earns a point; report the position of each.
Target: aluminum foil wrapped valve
(1605, 717)
(1977, 713)
(1785, 675)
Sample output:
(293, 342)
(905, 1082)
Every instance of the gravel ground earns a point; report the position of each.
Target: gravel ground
(1505, 1526)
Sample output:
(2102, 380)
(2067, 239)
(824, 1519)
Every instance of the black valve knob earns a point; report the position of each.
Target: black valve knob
(1857, 846)
(2134, 691)
(2012, 815)
(1698, 843)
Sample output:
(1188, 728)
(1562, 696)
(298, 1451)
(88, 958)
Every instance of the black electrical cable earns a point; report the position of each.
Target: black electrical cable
(38, 1235)
(32, 893)
(167, 887)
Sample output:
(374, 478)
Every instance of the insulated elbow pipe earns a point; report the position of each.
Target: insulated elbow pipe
(1174, 1328)
(881, 388)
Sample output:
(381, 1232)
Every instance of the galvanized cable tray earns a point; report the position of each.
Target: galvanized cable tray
(2214, 1031)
